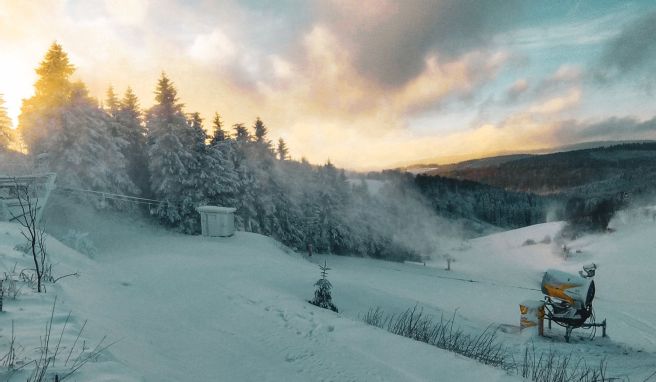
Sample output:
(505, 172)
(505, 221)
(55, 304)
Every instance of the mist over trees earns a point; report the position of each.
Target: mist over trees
(164, 154)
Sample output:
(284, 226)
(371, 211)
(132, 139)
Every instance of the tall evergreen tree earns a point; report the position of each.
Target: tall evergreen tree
(219, 134)
(170, 157)
(197, 135)
(282, 150)
(111, 102)
(241, 132)
(53, 86)
(5, 126)
(129, 116)
(260, 131)
(84, 153)
(40, 116)
(62, 120)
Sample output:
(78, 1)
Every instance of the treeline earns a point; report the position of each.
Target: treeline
(464, 199)
(165, 154)
(496, 206)
(598, 172)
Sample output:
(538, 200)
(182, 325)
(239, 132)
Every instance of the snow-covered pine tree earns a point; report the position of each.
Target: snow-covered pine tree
(241, 132)
(223, 184)
(202, 170)
(130, 117)
(260, 131)
(322, 295)
(169, 157)
(111, 102)
(329, 209)
(62, 120)
(5, 126)
(246, 216)
(40, 116)
(83, 152)
(282, 151)
(219, 134)
(255, 192)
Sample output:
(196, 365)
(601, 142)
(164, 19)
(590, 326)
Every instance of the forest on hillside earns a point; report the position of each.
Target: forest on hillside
(597, 172)
(164, 153)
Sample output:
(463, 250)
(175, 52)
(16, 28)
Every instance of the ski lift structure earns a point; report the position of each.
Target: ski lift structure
(38, 187)
(568, 300)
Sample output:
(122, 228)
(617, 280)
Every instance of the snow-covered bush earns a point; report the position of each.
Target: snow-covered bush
(322, 296)
(79, 241)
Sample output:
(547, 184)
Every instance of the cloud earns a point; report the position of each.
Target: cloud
(129, 12)
(213, 48)
(614, 128)
(518, 88)
(565, 75)
(582, 32)
(557, 104)
(390, 41)
(345, 80)
(632, 52)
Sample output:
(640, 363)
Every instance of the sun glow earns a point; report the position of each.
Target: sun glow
(16, 80)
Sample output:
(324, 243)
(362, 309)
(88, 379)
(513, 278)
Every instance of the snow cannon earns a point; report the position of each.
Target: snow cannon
(575, 290)
(568, 300)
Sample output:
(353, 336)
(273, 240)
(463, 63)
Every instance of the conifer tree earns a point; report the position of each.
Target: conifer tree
(84, 153)
(260, 131)
(62, 120)
(40, 116)
(196, 134)
(130, 117)
(111, 102)
(322, 295)
(5, 126)
(241, 133)
(219, 134)
(53, 86)
(169, 157)
(282, 150)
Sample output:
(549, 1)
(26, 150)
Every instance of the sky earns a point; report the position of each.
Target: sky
(366, 84)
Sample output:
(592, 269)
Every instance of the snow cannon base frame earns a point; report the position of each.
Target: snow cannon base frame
(568, 301)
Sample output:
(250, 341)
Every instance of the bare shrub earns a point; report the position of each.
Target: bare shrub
(539, 366)
(45, 366)
(9, 359)
(33, 230)
(413, 323)
(9, 286)
(551, 366)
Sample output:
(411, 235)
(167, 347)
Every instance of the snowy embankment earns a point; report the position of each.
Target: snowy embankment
(196, 309)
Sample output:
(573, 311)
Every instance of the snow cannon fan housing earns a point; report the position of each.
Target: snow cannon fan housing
(575, 290)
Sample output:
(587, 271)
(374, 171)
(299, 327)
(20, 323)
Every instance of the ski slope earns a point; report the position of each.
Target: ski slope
(186, 308)
(196, 309)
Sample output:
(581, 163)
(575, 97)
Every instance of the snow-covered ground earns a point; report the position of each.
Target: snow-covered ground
(186, 308)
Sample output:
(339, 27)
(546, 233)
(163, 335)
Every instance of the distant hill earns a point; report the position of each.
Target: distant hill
(473, 163)
(599, 171)
(429, 167)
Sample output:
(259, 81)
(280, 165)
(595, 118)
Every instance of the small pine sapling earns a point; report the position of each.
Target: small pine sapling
(322, 297)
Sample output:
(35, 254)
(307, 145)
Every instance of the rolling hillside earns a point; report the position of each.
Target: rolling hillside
(594, 172)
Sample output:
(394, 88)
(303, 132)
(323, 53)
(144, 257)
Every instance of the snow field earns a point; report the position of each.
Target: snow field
(188, 308)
